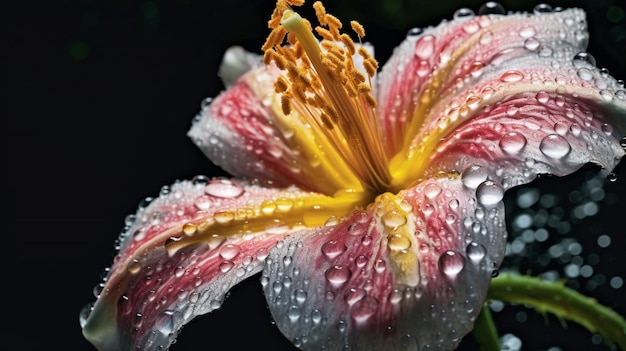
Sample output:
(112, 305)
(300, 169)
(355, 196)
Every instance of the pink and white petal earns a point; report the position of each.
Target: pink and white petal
(409, 272)
(180, 254)
(520, 138)
(245, 131)
(237, 62)
(532, 99)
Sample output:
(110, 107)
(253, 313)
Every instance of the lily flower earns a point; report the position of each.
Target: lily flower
(369, 200)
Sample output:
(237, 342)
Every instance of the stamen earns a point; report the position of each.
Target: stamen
(321, 82)
(358, 29)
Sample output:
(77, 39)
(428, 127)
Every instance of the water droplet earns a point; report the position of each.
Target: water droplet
(491, 8)
(414, 32)
(229, 251)
(512, 143)
(451, 263)
(475, 252)
(583, 59)
(611, 177)
(294, 313)
(584, 74)
(226, 266)
(338, 275)
(223, 188)
(463, 13)
(394, 219)
(532, 44)
(353, 295)
(398, 242)
(554, 146)
(380, 265)
(300, 296)
(542, 9)
(316, 316)
(165, 322)
(200, 180)
(134, 267)
(215, 304)
(425, 46)
(431, 190)
(189, 229)
(607, 129)
(360, 261)
(333, 248)
(473, 176)
(364, 309)
(527, 31)
(206, 102)
(489, 193)
(83, 316)
(512, 76)
(607, 95)
(454, 204)
(542, 97)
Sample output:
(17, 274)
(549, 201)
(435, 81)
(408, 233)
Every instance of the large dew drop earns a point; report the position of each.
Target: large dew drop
(333, 248)
(489, 193)
(475, 252)
(555, 146)
(451, 263)
(223, 188)
(512, 143)
(338, 275)
(473, 176)
(491, 8)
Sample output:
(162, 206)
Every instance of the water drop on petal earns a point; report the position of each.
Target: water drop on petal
(414, 32)
(473, 176)
(475, 252)
(425, 47)
(491, 8)
(223, 188)
(512, 143)
(451, 263)
(554, 146)
(463, 13)
(583, 59)
(489, 193)
(338, 275)
(542, 9)
(333, 248)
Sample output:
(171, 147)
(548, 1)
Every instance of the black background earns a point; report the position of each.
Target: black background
(97, 98)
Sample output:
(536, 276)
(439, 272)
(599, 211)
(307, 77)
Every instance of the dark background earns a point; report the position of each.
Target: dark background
(97, 98)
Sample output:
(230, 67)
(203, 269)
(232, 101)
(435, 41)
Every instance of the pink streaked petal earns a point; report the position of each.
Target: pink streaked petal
(350, 285)
(435, 70)
(245, 132)
(180, 256)
(534, 106)
(518, 139)
(235, 131)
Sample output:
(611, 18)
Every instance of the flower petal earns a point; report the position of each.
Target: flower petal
(511, 90)
(409, 272)
(237, 62)
(245, 132)
(185, 250)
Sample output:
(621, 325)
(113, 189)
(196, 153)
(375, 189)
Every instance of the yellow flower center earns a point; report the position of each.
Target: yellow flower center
(328, 85)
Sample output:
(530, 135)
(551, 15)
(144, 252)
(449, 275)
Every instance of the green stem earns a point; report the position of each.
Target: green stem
(485, 331)
(565, 303)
